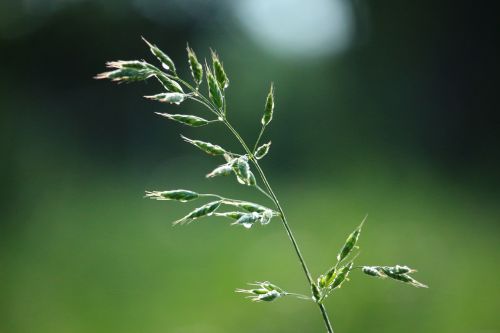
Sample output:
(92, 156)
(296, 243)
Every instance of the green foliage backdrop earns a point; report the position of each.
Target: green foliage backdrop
(401, 125)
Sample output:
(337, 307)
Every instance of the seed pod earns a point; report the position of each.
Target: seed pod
(207, 147)
(222, 170)
(231, 215)
(169, 84)
(242, 170)
(262, 150)
(214, 91)
(189, 120)
(269, 108)
(179, 195)
(165, 60)
(341, 276)
(373, 271)
(350, 242)
(316, 293)
(220, 74)
(172, 98)
(247, 220)
(205, 210)
(248, 206)
(195, 66)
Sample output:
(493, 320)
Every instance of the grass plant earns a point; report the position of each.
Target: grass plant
(245, 167)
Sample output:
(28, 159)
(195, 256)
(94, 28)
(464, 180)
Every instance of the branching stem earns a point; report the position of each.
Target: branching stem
(283, 219)
(215, 102)
(270, 193)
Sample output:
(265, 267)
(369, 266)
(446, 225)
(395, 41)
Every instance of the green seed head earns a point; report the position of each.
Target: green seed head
(179, 195)
(172, 98)
(214, 91)
(373, 271)
(247, 220)
(164, 59)
(341, 276)
(220, 74)
(205, 210)
(195, 66)
(207, 147)
(189, 120)
(350, 243)
(321, 281)
(248, 206)
(266, 292)
(222, 170)
(242, 170)
(169, 84)
(269, 108)
(395, 274)
(125, 74)
(268, 297)
(330, 276)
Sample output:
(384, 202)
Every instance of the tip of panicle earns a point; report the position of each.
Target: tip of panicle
(146, 41)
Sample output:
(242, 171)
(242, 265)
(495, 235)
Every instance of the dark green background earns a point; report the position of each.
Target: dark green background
(403, 126)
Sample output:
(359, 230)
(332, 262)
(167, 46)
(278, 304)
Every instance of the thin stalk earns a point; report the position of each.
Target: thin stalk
(203, 103)
(207, 195)
(262, 129)
(299, 296)
(264, 192)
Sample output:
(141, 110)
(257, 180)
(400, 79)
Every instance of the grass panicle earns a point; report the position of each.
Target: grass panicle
(247, 170)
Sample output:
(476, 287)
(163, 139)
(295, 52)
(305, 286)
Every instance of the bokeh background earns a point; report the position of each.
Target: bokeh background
(384, 108)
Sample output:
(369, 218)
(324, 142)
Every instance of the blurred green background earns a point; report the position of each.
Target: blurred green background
(381, 108)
